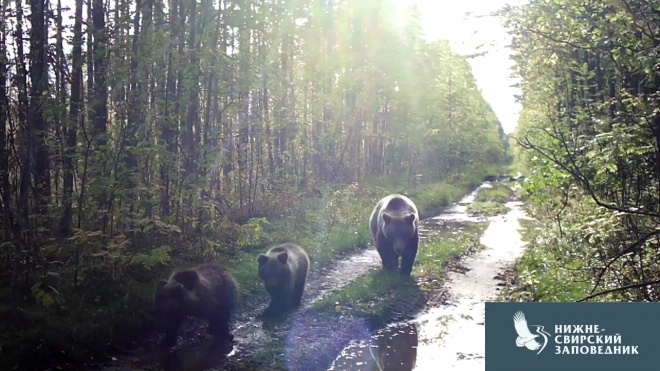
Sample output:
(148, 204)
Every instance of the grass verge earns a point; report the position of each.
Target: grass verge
(486, 209)
(500, 193)
(490, 201)
(543, 273)
(366, 304)
(346, 228)
(370, 296)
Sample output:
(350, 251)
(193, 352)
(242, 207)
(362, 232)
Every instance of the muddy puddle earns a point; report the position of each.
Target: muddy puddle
(249, 332)
(451, 335)
(392, 348)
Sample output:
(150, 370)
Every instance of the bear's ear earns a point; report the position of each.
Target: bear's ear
(410, 218)
(283, 257)
(188, 278)
(262, 259)
(387, 218)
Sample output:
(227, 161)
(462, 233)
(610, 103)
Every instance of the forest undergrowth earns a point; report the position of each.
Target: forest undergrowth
(84, 329)
(555, 266)
(588, 141)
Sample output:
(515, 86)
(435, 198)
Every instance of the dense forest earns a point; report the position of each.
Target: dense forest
(141, 136)
(589, 139)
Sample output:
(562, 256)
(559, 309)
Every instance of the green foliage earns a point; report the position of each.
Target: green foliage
(432, 197)
(336, 222)
(499, 193)
(252, 232)
(588, 139)
(152, 138)
(551, 270)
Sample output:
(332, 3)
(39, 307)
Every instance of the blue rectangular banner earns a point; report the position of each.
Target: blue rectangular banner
(572, 336)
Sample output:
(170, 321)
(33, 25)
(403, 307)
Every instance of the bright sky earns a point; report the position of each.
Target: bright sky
(447, 20)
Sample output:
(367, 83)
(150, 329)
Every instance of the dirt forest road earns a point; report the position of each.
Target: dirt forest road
(463, 345)
(452, 333)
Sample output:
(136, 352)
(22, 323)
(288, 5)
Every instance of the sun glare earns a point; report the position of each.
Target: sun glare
(402, 12)
(464, 24)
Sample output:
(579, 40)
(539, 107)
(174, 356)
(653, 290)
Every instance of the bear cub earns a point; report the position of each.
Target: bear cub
(208, 291)
(394, 226)
(284, 271)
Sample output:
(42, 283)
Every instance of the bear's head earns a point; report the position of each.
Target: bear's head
(399, 229)
(273, 269)
(168, 303)
(171, 296)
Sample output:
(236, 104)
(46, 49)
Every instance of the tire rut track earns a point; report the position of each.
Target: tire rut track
(248, 330)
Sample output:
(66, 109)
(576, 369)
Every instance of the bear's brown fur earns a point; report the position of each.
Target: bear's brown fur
(284, 271)
(394, 227)
(208, 291)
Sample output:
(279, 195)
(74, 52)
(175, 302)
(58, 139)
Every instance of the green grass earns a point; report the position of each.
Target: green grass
(529, 229)
(499, 193)
(490, 201)
(366, 294)
(431, 198)
(486, 209)
(270, 356)
(544, 273)
(371, 294)
(244, 267)
(323, 246)
(379, 297)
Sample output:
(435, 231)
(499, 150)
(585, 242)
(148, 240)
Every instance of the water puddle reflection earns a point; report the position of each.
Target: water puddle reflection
(393, 348)
(451, 334)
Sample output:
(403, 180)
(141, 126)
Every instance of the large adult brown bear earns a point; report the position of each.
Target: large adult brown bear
(284, 271)
(394, 227)
(208, 292)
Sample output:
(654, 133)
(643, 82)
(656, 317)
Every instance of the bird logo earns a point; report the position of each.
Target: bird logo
(525, 337)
